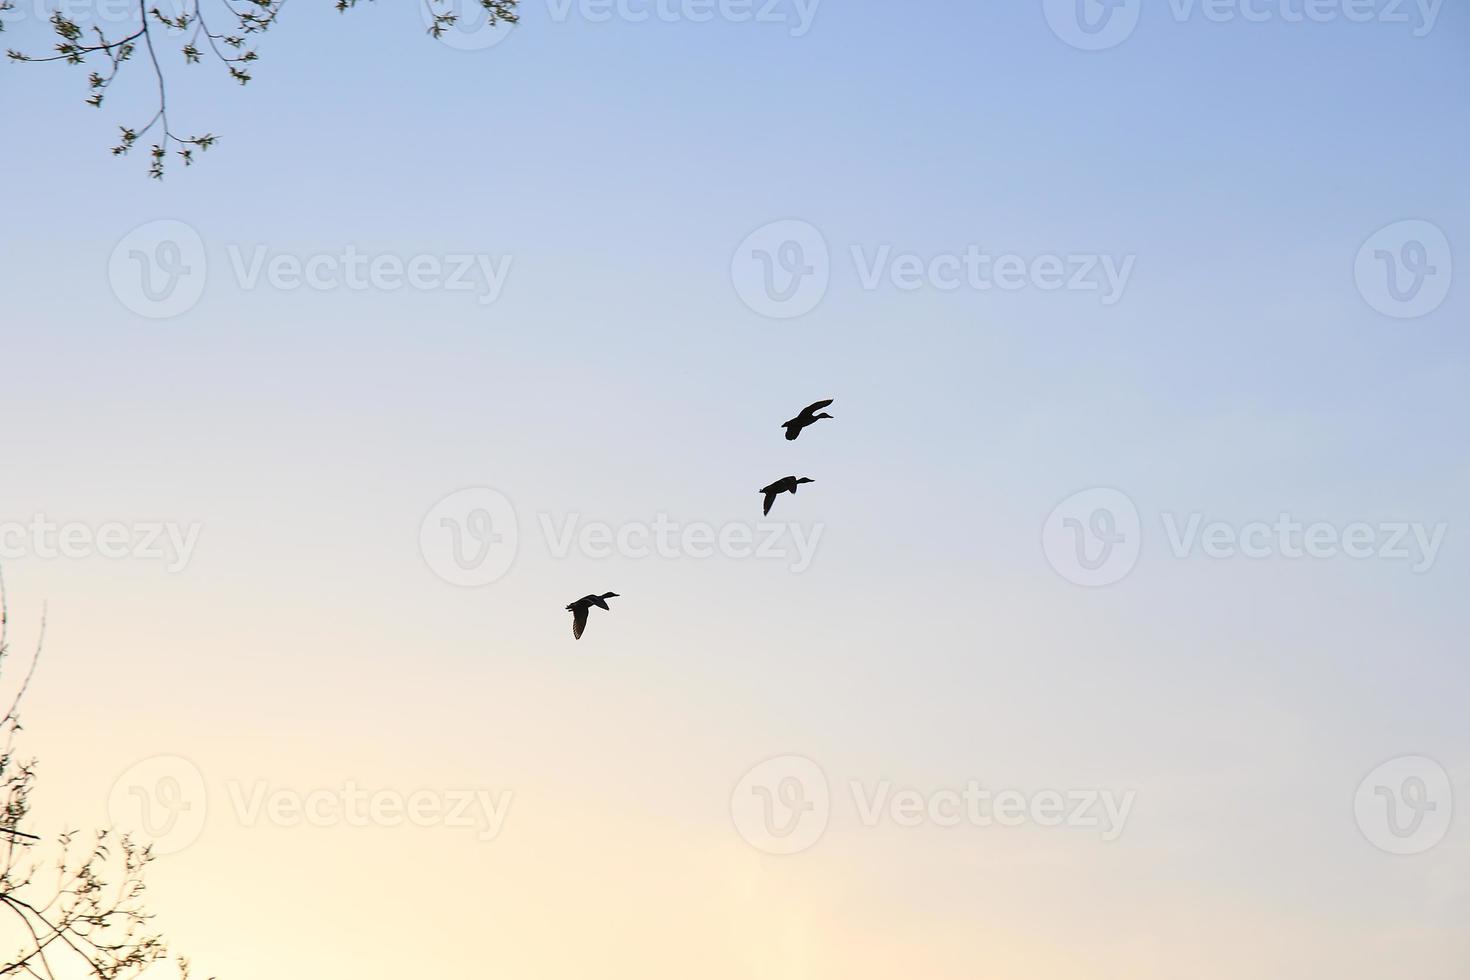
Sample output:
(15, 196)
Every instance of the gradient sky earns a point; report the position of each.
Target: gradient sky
(619, 376)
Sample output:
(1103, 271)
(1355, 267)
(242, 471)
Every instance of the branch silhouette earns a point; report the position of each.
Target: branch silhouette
(233, 45)
(81, 914)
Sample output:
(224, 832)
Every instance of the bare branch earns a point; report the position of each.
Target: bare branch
(230, 46)
(92, 919)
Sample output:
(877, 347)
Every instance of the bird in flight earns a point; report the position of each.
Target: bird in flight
(579, 609)
(783, 485)
(807, 417)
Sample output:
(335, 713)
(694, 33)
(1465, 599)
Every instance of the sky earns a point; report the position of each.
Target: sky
(1119, 635)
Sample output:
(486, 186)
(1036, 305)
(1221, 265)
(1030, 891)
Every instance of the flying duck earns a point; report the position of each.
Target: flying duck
(807, 417)
(784, 485)
(579, 609)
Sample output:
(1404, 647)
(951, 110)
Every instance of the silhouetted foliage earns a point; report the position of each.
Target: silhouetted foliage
(227, 35)
(76, 908)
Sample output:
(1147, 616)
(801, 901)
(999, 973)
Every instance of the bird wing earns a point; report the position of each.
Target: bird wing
(815, 407)
(579, 621)
(770, 499)
(793, 429)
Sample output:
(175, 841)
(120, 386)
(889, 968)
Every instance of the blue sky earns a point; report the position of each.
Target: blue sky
(1242, 374)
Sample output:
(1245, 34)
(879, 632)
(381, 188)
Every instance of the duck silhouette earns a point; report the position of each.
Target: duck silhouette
(808, 415)
(784, 485)
(579, 609)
